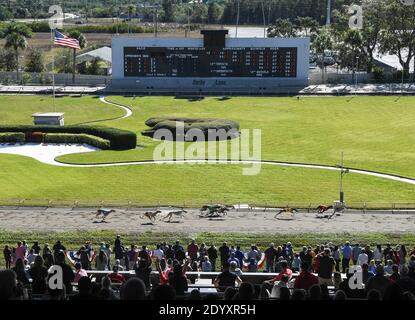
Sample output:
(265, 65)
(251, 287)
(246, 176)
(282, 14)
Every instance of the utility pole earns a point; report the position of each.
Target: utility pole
(343, 171)
(328, 18)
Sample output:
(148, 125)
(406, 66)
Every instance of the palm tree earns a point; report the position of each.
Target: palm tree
(82, 44)
(15, 35)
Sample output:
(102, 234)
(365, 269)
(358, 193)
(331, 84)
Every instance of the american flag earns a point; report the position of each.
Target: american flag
(64, 41)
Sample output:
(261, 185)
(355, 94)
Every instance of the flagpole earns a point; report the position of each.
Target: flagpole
(52, 31)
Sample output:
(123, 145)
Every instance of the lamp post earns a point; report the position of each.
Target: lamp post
(343, 171)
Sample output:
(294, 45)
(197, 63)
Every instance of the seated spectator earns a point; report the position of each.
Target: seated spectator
(163, 292)
(117, 263)
(84, 289)
(296, 264)
(21, 273)
(133, 289)
(106, 290)
(305, 279)
(31, 256)
(240, 255)
(378, 282)
(195, 295)
(284, 272)
(38, 273)
(326, 267)
(8, 285)
(229, 293)
(408, 296)
(395, 273)
(116, 277)
(79, 272)
(405, 282)
(351, 293)
(235, 269)
(314, 293)
(276, 289)
(340, 295)
(246, 292)
(388, 268)
(299, 295)
(366, 273)
(374, 295)
(226, 278)
(372, 267)
(285, 294)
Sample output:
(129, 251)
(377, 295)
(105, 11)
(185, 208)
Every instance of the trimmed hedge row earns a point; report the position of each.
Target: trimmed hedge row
(12, 137)
(118, 139)
(77, 139)
(192, 123)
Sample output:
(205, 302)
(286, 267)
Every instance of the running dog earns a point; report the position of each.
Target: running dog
(322, 208)
(287, 210)
(104, 213)
(178, 213)
(151, 215)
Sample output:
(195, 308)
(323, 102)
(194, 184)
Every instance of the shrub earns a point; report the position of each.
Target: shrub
(119, 139)
(17, 137)
(78, 139)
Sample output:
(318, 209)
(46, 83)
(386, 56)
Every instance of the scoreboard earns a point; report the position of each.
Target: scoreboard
(270, 62)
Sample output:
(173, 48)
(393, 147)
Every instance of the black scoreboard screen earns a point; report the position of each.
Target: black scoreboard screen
(210, 62)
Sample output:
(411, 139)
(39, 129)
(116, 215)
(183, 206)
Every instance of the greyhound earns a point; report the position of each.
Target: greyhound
(104, 213)
(215, 210)
(178, 213)
(322, 208)
(288, 210)
(151, 215)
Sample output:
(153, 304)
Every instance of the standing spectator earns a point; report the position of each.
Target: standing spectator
(378, 254)
(144, 254)
(270, 255)
(117, 242)
(347, 255)
(31, 256)
(202, 252)
(178, 280)
(305, 279)
(84, 259)
(366, 273)
(79, 272)
(20, 251)
(296, 263)
(402, 255)
(240, 255)
(169, 252)
(387, 253)
(252, 265)
(224, 253)
(303, 254)
(36, 248)
(253, 254)
(232, 258)
(355, 253)
(119, 249)
(177, 247)
(206, 265)
(369, 253)
(45, 251)
(107, 250)
(363, 258)
(326, 268)
(213, 255)
(101, 262)
(7, 257)
(68, 274)
(336, 257)
(143, 270)
(289, 253)
(58, 247)
(192, 250)
(132, 255)
(158, 253)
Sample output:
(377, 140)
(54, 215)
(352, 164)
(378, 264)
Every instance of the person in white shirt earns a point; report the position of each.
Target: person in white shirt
(362, 259)
(206, 265)
(275, 293)
(158, 253)
(378, 253)
(31, 257)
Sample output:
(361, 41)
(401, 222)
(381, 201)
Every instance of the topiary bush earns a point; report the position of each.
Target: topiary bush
(118, 139)
(171, 124)
(16, 137)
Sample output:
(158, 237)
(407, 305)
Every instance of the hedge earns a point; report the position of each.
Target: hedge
(77, 139)
(16, 137)
(192, 123)
(118, 139)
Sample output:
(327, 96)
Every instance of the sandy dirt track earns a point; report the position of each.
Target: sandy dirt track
(257, 221)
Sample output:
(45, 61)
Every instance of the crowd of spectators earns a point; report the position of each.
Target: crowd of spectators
(322, 272)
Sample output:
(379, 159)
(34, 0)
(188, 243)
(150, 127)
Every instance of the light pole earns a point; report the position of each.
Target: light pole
(343, 171)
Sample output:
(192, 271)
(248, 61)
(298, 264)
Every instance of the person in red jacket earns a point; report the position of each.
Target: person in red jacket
(285, 272)
(116, 277)
(305, 279)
